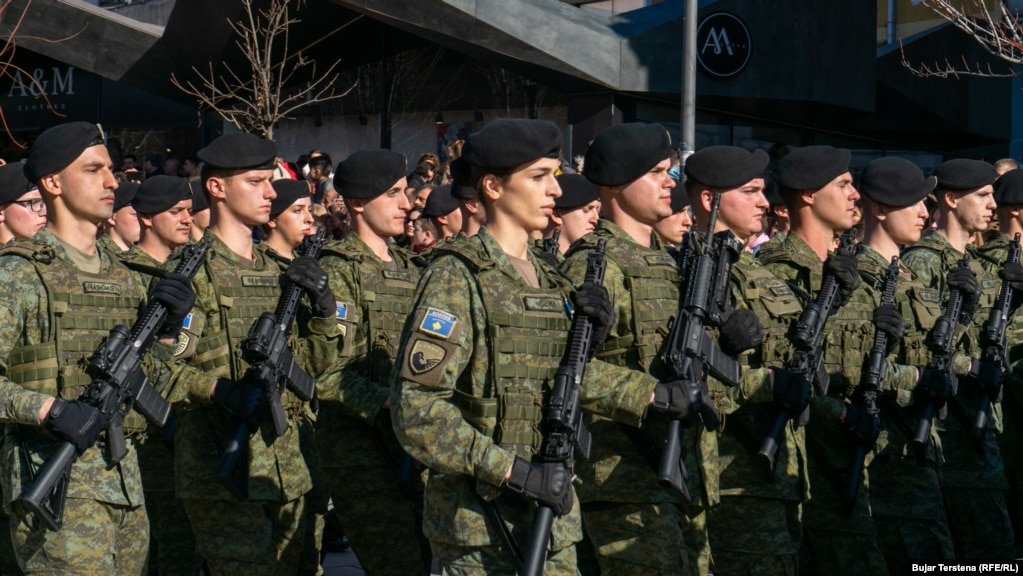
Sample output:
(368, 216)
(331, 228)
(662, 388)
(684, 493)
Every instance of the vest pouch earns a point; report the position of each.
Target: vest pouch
(518, 420)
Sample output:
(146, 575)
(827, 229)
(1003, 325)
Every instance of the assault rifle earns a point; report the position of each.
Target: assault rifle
(690, 352)
(564, 420)
(871, 381)
(942, 347)
(995, 357)
(807, 362)
(272, 367)
(118, 386)
(550, 245)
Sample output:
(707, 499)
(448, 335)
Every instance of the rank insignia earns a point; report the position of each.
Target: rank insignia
(424, 356)
(438, 323)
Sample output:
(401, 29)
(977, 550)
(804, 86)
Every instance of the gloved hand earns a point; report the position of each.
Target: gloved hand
(673, 398)
(934, 387)
(76, 422)
(864, 427)
(987, 375)
(549, 484)
(593, 300)
(889, 320)
(962, 279)
(791, 392)
(1012, 272)
(306, 272)
(244, 401)
(739, 332)
(175, 292)
(843, 267)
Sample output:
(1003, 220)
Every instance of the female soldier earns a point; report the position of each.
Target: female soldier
(484, 339)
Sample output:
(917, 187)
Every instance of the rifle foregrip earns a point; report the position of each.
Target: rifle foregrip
(671, 471)
(232, 459)
(536, 552)
(979, 431)
(769, 447)
(46, 485)
(922, 436)
(853, 480)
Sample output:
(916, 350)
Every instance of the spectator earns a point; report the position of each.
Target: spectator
(153, 166)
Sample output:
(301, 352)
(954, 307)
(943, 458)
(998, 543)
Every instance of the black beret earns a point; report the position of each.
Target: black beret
(679, 199)
(726, 167)
(369, 173)
(288, 192)
(124, 194)
(771, 192)
(200, 201)
(625, 152)
(56, 148)
(160, 193)
(440, 202)
(965, 174)
(239, 151)
(811, 167)
(895, 182)
(13, 183)
(1009, 188)
(576, 191)
(462, 185)
(506, 143)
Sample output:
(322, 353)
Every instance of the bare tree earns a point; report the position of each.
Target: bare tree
(996, 29)
(255, 99)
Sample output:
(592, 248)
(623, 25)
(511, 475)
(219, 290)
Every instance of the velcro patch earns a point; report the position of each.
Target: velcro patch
(928, 294)
(438, 323)
(101, 287)
(544, 303)
(249, 281)
(425, 360)
(425, 356)
(186, 324)
(398, 275)
(341, 310)
(182, 343)
(660, 260)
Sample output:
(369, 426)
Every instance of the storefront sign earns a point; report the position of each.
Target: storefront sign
(722, 45)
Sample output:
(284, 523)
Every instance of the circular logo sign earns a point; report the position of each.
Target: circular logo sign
(722, 44)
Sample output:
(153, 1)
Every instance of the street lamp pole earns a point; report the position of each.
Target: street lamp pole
(687, 127)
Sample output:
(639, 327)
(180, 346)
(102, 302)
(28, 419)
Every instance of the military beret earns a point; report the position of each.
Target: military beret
(239, 151)
(13, 183)
(160, 193)
(462, 185)
(124, 194)
(965, 174)
(726, 167)
(895, 182)
(369, 173)
(1008, 188)
(771, 192)
(288, 192)
(625, 152)
(440, 202)
(200, 201)
(509, 142)
(679, 199)
(56, 148)
(576, 191)
(811, 167)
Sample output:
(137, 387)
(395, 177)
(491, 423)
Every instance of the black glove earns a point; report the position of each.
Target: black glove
(549, 484)
(889, 320)
(175, 292)
(934, 387)
(741, 331)
(686, 400)
(791, 392)
(242, 400)
(306, 272)
(864, 427)
(987, 375)
(593, 300)
(843, 268)
(1012, 272)
(76, 422)
(963, 280)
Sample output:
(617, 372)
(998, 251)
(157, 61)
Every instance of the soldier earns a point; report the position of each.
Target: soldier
(162, 204)
(576, 211)
(200, 210)
(817, 188)
(445, 213)
(473, 212)
(484, 339)
(674, 227)
(105, 530)
(755, 529)
(972, 482)
(627, 516)
(371, 481)
(1009, 196)
(122, 229)
(22, 211)
(237, 283)
(778, 217)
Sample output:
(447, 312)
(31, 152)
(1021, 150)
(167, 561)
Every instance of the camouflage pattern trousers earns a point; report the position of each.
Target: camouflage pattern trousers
(638, 538)
(97, 538)
(491, 560)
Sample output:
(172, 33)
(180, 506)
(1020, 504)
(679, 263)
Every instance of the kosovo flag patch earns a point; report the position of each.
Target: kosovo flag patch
(341, 311)
(438, 323)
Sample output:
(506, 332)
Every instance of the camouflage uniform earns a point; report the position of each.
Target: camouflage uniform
(54, 316)
(837, 544)
(262, 535)
(105, 242)
(771, 245)
(972, 483)
(756, 528)
(628, 517)
(362, 460)
(172, 544)
(476, 354)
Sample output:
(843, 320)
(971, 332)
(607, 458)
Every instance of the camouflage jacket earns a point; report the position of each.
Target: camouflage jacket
(469, 382)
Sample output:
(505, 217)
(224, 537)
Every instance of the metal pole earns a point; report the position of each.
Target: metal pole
(687, 128)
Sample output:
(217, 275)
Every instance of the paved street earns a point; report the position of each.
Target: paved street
(342, 564)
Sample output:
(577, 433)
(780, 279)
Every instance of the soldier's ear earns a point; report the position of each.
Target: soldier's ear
(215, 187)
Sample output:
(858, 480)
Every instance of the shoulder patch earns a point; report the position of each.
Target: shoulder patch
(182, 343)
(341, 310)
(425, 356)
(438, 323)
(186, 324)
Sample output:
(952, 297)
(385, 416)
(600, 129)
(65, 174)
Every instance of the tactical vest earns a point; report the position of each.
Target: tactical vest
(993, 255)
(387, 297)
(775, 305)
(526, 336)
(82, 309)
(651, 277)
